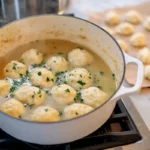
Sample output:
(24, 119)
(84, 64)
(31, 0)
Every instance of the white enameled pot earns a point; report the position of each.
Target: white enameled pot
(84, 33)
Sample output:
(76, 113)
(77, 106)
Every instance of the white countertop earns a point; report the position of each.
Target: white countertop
(79, 7)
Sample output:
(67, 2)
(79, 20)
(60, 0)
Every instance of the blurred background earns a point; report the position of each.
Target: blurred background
(15, 9)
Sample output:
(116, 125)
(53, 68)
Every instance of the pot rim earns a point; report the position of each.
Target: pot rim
(73, 119)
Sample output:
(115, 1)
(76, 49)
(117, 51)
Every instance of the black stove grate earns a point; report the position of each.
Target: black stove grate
(118, 130)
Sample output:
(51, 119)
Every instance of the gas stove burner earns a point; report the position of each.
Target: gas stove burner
(118, 130)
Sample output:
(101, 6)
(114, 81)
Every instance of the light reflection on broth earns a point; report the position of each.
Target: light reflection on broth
(101, 73)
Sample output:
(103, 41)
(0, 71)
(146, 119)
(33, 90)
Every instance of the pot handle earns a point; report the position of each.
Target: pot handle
(140, 75)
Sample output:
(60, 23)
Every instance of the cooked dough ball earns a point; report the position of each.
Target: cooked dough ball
(63, 94)
(125, 29)
(4, 87)
(76, 110)
(147, 72)
(108, 30)
(138, 40)
(42, 77)
(80, 58)
(30, 95)
(15, 70)
(144, 55)
(32, 56)
(147, 24)
(133, 17)
(79, 78)
(57, 63)
(123, 45)
(93, 96)
(13, 108)
(112, 18)
(45, 114)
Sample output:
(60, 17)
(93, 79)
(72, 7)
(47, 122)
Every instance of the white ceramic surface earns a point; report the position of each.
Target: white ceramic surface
(61, 27)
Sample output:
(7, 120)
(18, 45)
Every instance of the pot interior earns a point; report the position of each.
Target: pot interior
(66, 28)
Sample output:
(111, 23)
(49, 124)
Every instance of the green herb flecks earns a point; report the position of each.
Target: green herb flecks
(39, 65)
(39, 73)
(20, 117)
(46, 110)
(114, 76)
(30, 105)
(67, 90)
(76, 113)
(47, 79)
(102, 73)
(81, 82)
(100, 87)
(58, 73)
(60, 113)
(40, 91)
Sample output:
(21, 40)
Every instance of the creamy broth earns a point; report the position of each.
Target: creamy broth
(102, 76)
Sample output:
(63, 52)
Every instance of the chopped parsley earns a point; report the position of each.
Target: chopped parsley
(30, 105)
(67, 90)
(65, 82)
(20, 117)
(60, 113)
(102, 73)
(37, 52)
(76, 113)
(100, 87)
(47, 79)
(113, 75)
(32, 96)
(52, 80)
(39, 92)
(80, 75)
(58, 73)
(81, 82)
(81, 100)
(14, 67)
(38, 65)
(46, 109)
(39, 73)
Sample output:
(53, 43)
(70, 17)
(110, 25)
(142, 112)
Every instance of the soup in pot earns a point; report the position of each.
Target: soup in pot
(53, 80)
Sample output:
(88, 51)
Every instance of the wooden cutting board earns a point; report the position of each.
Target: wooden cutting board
(144, 10)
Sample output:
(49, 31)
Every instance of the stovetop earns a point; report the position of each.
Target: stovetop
(118, 130)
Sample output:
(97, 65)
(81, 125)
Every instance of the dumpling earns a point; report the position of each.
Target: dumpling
(123, 45)
(63, 94)
(75, 110)
(112, 18)
(32, 56)
(138, 40)
(109, 30)
(4, 87)
(42, 77)
(15, 70)
(13, 108)
(30, 95)
(147, 72)
(144, 55)
(45, 114)
(57, 63)
(147, 24)
(133, 17)
(93, 96)
(80, 58)
(125, 29)
(79, 78)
